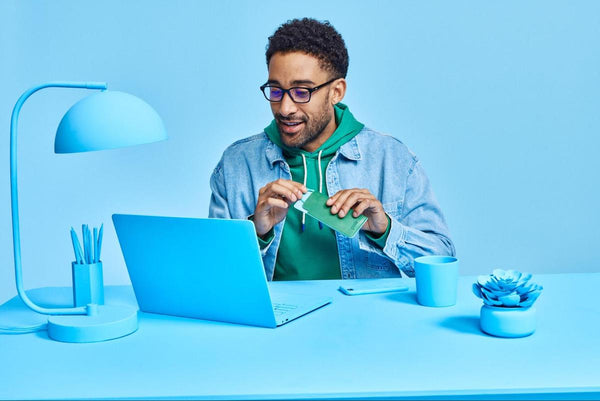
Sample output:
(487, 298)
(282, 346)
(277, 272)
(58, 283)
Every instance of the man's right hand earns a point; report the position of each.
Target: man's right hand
(274, 200)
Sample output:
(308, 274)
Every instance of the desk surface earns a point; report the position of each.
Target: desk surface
(381, 345)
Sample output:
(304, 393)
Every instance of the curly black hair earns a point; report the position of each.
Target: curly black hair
(319, 39)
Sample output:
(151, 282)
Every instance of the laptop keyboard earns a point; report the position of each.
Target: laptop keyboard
(281, 309)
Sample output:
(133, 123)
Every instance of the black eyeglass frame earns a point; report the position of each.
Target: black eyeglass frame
(310, 91)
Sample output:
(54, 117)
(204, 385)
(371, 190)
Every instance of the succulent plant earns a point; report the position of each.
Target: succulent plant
(510, 288)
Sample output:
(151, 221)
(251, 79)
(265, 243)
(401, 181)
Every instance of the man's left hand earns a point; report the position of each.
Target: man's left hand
(361, 201)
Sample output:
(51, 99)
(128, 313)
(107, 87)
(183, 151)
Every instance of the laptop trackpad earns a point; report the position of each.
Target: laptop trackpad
(290, 306)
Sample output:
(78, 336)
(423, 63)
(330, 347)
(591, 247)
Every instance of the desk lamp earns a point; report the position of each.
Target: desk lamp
(104, 120)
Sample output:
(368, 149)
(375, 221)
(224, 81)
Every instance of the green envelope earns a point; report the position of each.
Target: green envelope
(313, 203)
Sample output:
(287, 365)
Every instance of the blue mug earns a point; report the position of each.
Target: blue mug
(437, 279)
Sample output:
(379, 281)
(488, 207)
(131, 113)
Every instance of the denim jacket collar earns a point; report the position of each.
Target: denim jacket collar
(349, 150)
(274, 153)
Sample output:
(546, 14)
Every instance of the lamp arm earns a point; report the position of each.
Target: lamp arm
(14, 195)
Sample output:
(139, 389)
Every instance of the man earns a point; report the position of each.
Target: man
(314, 142)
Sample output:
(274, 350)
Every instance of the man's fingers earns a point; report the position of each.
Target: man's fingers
(332, 199)
(275, 202)
(338, 200)
(362, 205)
(270, 203)
(350, 201)
(286, 188)
(292, 185)
(278, 190)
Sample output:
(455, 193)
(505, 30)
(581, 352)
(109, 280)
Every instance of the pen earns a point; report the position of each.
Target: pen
(76, 247)
(95, 242)
(86, 245)
(100, 240)
(89, 243)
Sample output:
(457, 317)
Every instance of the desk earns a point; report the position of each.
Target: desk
(369, 346)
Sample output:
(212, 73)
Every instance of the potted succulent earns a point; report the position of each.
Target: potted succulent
(508, 298)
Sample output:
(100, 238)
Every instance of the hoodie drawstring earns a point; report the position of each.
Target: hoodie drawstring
(303, 213)
(320, 187)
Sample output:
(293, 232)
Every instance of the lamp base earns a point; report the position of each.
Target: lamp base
(108, 323)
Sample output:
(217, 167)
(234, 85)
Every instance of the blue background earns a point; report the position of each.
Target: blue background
(498, 99)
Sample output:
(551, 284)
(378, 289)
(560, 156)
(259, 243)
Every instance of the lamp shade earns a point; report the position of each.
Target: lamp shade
(108, 120)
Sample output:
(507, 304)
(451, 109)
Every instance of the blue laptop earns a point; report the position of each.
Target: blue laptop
(204, 268)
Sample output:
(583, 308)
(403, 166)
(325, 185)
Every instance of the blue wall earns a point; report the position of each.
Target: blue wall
(498, 99)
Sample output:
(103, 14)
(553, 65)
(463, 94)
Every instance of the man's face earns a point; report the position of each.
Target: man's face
(301, 125)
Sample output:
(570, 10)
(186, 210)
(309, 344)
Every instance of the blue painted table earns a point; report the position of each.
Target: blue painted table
(369, 346)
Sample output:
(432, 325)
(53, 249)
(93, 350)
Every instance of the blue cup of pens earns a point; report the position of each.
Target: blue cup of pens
(88, 283)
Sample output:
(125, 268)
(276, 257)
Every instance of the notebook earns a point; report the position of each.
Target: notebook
(206, 269)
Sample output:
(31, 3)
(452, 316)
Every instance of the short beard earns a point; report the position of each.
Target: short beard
(313, 129)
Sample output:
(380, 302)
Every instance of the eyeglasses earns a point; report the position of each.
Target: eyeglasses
(298, 94)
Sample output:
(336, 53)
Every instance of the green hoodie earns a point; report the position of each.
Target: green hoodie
(309, 251)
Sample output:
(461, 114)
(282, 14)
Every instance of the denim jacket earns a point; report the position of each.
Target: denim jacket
(380, 163)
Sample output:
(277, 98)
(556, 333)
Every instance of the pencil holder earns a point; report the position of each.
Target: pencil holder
(88, 284)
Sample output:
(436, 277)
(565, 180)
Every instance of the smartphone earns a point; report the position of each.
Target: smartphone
(373, 286)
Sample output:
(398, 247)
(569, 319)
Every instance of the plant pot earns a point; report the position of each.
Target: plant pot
(507, 322)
